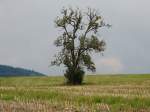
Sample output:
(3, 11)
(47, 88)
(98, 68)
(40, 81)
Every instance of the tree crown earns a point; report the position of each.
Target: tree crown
(79, 38)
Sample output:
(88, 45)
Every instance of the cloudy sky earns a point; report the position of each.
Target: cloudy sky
(27, 33)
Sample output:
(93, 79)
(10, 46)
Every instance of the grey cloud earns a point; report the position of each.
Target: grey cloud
(27, 32)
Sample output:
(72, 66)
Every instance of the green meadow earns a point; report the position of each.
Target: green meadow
(99, 93)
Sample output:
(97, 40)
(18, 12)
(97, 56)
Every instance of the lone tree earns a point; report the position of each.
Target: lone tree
(78, 40)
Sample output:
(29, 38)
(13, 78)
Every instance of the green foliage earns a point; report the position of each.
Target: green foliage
(74, 76)
(78, 39)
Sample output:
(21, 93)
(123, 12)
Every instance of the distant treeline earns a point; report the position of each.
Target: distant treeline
(6, 70)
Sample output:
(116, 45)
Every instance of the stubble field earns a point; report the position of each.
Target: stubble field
(105, 93)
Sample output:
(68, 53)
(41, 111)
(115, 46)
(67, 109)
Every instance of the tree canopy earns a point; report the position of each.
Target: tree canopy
(78, 40)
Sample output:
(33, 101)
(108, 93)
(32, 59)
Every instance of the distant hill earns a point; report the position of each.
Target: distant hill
(6, 70)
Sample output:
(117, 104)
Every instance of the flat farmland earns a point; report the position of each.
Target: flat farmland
(99, 93)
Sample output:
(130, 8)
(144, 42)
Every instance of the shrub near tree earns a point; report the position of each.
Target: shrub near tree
(78, 40)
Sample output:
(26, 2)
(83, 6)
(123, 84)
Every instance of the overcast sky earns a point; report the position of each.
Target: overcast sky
(27, 33)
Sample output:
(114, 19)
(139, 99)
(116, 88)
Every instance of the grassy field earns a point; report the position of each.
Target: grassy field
(117, 93)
